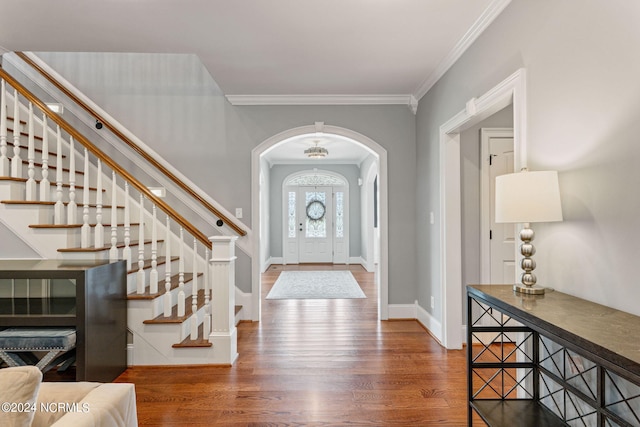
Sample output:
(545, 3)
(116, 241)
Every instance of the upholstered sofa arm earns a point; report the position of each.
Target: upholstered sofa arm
(106, 405)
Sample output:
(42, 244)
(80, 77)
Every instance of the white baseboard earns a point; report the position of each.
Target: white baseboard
(402, 311)
(357, 260)
(429, 322)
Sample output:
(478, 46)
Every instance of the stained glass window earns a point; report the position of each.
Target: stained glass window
(292, 214)
(316, 179)
(339, 214)
(316, 227)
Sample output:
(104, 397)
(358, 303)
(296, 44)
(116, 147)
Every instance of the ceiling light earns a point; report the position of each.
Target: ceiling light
(316, 152)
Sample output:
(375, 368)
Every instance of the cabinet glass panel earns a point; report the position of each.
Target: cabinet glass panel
(622, 398)
(573, 368)
(573, 410)
(37, 297)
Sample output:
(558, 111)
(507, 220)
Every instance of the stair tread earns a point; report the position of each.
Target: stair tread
(50, 203)
(175, 282)
(57, 226)
(174, 318)
(201, 341)
(106, 247)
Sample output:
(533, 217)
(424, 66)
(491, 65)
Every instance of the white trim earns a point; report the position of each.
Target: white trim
(490, 13)
(402, 311)
(429, 322)
(244, 299)
(320, 100)
(358, 260)
(512, 90)
(485, 244)
(374, 147)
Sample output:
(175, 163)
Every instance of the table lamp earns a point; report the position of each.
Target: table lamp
(527, 197)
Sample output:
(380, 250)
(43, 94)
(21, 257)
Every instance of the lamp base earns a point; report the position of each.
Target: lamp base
(530, 290)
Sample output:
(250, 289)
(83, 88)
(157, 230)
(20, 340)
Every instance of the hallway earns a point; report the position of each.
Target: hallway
(314, 362)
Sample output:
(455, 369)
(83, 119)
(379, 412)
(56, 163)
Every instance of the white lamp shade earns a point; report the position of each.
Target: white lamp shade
(528, 197)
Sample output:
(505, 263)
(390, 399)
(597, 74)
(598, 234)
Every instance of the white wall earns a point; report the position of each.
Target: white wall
(583, 101)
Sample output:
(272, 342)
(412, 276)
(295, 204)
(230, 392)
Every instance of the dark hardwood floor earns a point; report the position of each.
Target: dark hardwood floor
(314, 363)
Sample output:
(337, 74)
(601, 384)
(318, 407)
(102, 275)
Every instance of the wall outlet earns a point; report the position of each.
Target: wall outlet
(238, 212)
(432, 219)
(433, 302)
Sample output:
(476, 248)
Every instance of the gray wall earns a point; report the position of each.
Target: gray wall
(172, 104)
(12, 247)
(583, 104)
(277, 177)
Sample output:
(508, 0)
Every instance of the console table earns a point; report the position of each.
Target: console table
(550, 360)
(89, 296)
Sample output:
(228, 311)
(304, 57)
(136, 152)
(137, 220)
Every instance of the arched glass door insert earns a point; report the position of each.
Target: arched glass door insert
(316, 218)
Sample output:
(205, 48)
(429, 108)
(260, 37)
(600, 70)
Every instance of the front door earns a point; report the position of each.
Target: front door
(315, 224)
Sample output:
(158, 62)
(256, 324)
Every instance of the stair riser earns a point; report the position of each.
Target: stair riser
(74, 235)
(18, 191)
(162, 268)
(99, 255)
(79, 178)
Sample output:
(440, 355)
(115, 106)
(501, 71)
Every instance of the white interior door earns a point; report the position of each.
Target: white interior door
(315, 224)
(502, 240)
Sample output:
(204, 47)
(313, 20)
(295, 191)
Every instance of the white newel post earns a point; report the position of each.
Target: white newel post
(224, 336)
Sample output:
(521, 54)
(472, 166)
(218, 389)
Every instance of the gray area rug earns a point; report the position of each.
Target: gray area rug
(315, 285)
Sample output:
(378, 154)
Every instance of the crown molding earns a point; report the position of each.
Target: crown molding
(407, 100)
(492, 11)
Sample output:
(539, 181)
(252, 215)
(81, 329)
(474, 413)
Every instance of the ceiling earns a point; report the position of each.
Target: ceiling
(272, 51)
(379, 48)
(341, 150)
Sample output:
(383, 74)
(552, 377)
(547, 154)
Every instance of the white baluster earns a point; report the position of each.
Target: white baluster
(72, 207)
(16, 161)
(99, 229)
(113, 252)
(141, 278)
(4, 160)
(45, 185)
(85, 231)
(194, 293)
(168, 304)
(207, 298)
(181, 293)
(153, 275)
(59, 208)
(126, 252)
(31, 156)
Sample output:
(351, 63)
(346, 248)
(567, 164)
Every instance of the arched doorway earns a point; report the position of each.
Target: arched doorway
(260, 197)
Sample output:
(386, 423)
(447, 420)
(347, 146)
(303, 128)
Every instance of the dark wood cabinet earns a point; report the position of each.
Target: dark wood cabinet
(89, 296)
(550, 360)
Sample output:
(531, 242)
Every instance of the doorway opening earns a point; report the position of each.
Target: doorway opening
(359, 250)
(511, 91)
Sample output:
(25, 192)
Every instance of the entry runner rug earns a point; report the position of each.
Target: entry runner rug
(315, 285)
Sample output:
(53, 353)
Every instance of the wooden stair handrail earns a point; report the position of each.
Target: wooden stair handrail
(200, 236)
(135, 146)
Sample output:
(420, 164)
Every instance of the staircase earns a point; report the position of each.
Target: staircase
(67, 200)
